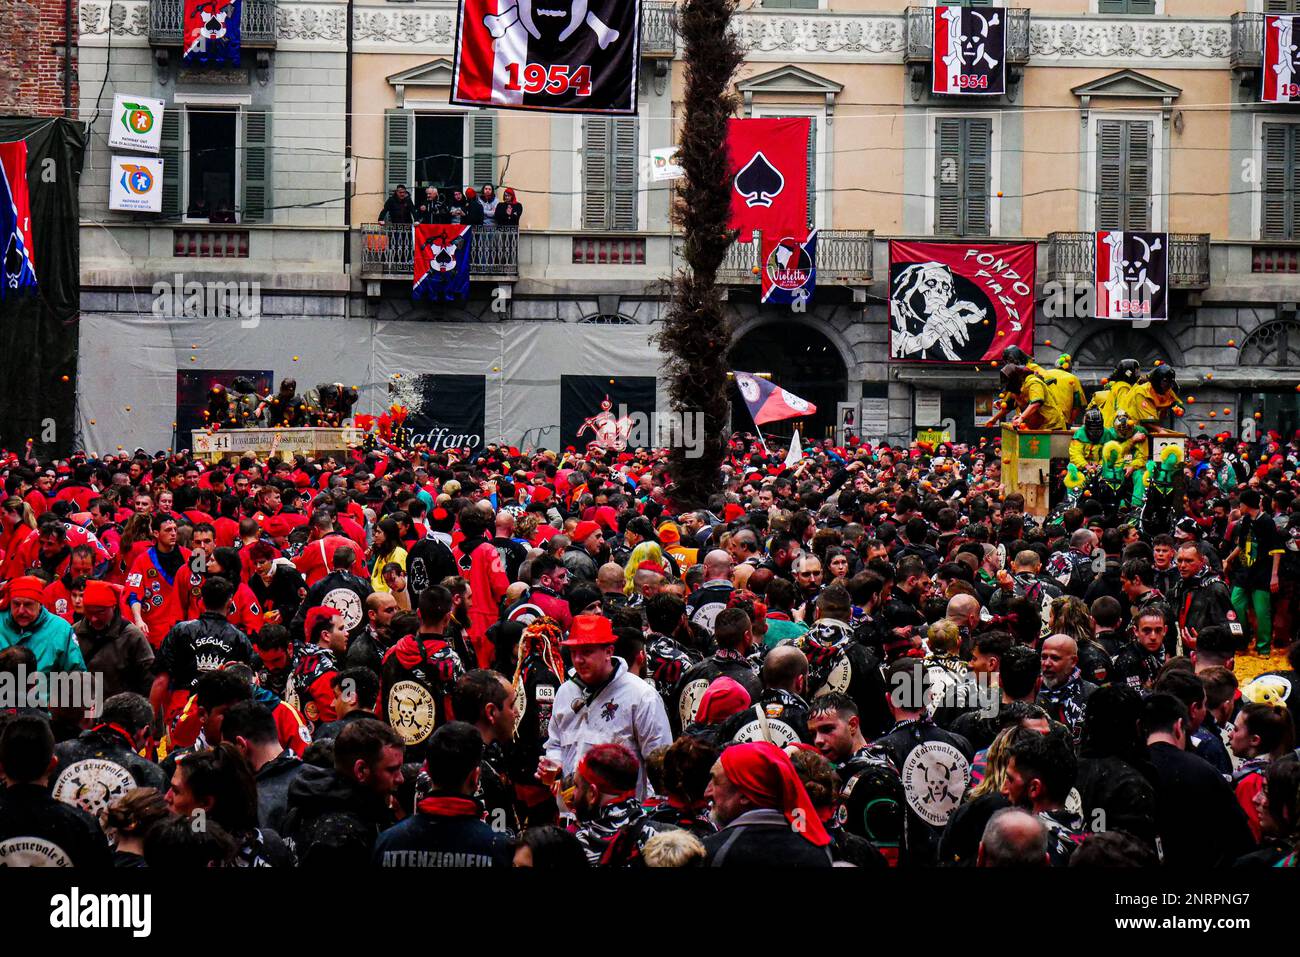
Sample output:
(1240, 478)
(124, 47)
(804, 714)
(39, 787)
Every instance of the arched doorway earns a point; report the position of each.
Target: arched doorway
(800, 359)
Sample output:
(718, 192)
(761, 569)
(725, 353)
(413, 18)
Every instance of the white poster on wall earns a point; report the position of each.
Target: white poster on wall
(135, 184)
(927, 408)
(136, 123)
(663, 165)
(875, 419)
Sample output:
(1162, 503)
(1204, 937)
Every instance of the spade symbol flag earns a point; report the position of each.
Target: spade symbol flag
(768, 168)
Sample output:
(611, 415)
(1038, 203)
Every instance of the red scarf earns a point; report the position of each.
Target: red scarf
(765, 774)
(445, 806)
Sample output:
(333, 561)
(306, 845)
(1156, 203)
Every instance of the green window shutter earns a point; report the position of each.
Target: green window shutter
(947, 177)
(1112, 6)
(1110, 174)
(399, 132)
(976, 3)
(596, 135)
(1282, 6)
(790, 4)
(1280, 199)
(624, 166)
(1137, 189)
(171, 157)
(483, 148)
(977, 156)
(257, 173)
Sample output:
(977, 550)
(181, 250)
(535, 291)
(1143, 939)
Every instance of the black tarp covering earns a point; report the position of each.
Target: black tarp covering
(38, 334)
(581, 397)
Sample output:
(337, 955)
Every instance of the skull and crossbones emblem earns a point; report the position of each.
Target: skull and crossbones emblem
(443, 253)
(1287, 51)
(1130, 278)
(524, 13)
(967, 49)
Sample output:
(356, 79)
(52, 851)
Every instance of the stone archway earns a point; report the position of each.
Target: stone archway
(797, 356)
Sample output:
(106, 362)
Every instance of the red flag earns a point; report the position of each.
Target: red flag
(769, 175)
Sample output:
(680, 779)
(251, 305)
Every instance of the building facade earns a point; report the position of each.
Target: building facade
(1119, 114)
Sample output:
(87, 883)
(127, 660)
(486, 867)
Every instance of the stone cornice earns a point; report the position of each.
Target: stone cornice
(769, 36)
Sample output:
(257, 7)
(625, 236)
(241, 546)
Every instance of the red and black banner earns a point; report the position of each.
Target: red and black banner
(565, 56)
(1132, 275)
(789, 268)
(769, 175)
(960, 302)
(1281, 70)
(970, 50)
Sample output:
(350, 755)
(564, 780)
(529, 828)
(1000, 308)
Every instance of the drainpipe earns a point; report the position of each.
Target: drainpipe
(67, 58)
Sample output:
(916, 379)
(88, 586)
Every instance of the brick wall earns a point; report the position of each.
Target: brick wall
(31, 58)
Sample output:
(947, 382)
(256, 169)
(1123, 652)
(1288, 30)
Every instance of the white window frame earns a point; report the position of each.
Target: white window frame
(1157, 165)
(995, 165)
(1257, 160)
(236, 102)
(421, 108)
(825, 150)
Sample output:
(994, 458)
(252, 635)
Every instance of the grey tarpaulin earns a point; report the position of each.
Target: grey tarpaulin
(127, 392)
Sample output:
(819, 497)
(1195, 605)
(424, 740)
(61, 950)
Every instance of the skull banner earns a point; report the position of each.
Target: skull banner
(970, 50)
(1132, 275)
(565, 56)
(442, 262)
(960, 302)
(212, 33)
(1280, 73)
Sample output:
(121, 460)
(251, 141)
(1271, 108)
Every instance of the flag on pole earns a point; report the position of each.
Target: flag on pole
(768, 402)
(796, 450)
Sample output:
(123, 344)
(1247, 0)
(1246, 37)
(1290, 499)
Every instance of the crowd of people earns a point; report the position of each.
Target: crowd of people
(873, 657)
(448, 206)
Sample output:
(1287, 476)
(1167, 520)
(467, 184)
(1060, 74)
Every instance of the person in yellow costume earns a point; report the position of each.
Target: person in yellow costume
(1147, 401)
(1016, 356)
(1030, 397)
(1065, 389)
(1088, 441)
(1135, 444)
(1111, 399)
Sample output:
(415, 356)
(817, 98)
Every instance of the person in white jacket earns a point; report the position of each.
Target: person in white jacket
(602, 702)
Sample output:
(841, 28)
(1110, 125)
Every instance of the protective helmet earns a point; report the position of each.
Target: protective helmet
(1123, 425)
(1127, 370)
(1094, 426)
(1162, 378)
(1015, 355)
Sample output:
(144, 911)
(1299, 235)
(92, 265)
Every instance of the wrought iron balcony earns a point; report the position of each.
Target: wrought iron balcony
(388, 252)
(1246, 48)
(844, 258)
(1073, 256)
(659, 29)
(918, 35)
(256, 27)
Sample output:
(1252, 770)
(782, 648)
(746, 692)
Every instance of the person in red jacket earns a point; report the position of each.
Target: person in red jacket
(480, 563)
(42, 496)
(158, 584)
(1261, 734)
(317, 558)
(63, 595)
(310, 689)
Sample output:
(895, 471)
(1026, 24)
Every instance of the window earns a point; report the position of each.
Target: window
(211, 180)
(1126, 6)
(1280, 184)
(448, 150)
(1275, 344)
(609, 173)
(1282, 6)
(963, 151)
(791, 4)
(1103, 349)
(439, 151)
(1124, 165)
(215, 163)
